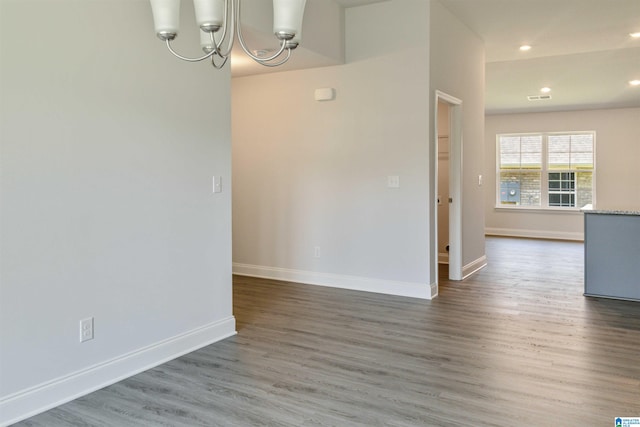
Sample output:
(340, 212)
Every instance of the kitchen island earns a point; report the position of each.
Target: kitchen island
(612, 254)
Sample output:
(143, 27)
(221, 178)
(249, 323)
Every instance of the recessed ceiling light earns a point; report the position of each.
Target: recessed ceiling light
(545, 89)
(635, 35)
(634, 82)
(525, 47)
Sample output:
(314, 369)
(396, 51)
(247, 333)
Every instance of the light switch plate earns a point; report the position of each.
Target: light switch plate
(217, 184)
(393, 181)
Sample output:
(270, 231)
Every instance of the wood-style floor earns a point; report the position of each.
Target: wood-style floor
(515, 345)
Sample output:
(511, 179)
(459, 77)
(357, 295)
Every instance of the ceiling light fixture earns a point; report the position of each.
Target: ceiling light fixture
(545, 89)
(634, 82)
(635, 35)
(525, 47)
(222, 17)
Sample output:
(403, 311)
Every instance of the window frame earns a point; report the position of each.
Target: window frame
(544, 174)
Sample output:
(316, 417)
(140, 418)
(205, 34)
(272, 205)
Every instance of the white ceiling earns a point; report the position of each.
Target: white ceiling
(581, 50)
(353, 3)
(242, 65)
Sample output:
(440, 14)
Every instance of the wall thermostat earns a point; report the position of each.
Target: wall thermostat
(325, 94)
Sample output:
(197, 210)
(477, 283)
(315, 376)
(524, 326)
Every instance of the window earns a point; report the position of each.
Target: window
(562, 189)
(546, 170)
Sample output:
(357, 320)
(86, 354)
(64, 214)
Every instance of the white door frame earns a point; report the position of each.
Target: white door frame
(455, 184)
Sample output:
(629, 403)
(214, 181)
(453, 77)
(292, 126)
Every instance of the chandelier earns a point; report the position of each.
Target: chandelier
(220, 24)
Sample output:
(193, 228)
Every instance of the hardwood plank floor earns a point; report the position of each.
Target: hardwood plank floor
(516, 344)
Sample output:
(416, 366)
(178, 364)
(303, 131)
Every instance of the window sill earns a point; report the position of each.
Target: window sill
(564, 211)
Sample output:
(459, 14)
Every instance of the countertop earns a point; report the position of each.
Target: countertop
(588, 210)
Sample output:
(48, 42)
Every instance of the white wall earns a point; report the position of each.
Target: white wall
(314, 174)
(457, 69)
(617, 173)
(108, 147)
(309, 174)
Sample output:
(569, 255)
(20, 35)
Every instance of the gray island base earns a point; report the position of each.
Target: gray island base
(612, 254)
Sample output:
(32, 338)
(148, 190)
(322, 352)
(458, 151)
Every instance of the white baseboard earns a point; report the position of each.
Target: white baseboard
(474, 266)
(443, 258)
(27, 403)
(389, 287)
(535, 234)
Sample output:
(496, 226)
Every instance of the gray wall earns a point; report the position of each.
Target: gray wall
(457, 68)
(616, 177)
(109, 145)
(314, 174)
(310, 173)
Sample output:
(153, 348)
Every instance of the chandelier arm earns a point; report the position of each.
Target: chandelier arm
(259, 59)
(216, 66)
(208, 55)
(224, 28)
(275, 64)
(231, 22)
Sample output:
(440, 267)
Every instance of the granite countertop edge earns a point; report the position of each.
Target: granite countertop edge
(610, 212)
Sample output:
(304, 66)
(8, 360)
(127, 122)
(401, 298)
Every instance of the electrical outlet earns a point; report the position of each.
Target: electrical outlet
(316, 252)
(86, 329)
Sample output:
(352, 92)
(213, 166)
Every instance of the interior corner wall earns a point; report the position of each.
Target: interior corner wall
(616, 178)
(108, 148)
(457, 69)
(311, 201)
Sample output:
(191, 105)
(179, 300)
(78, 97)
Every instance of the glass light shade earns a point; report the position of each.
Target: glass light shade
(287, 16)
(209, 13)
(166, 15)
(298, 37)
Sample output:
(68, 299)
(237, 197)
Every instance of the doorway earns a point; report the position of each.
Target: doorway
(443, 184)
(448, 185)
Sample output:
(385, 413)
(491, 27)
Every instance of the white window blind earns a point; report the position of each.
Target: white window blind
(546, 170)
